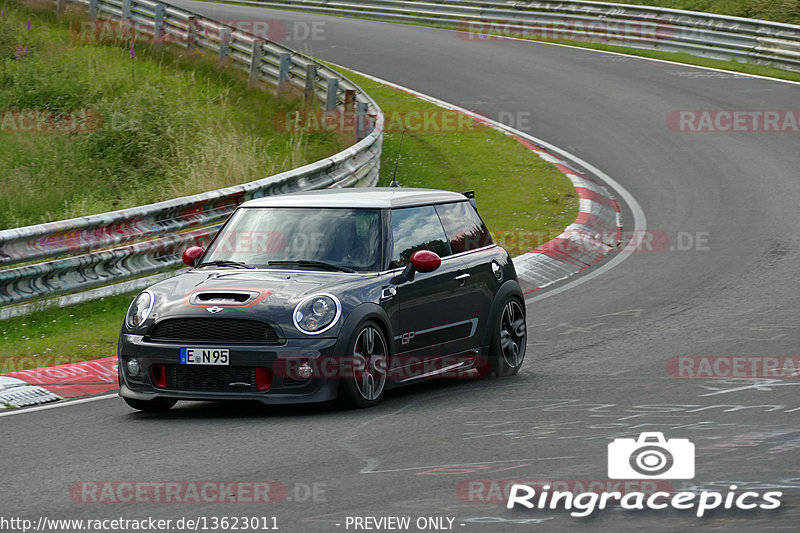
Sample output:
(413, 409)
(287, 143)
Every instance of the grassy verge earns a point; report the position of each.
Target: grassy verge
(778, 10)
(111, 131)
(522, 199)
(62, 335)
(517, 192)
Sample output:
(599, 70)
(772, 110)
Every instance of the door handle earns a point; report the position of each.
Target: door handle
(462, 279)
(388, 293)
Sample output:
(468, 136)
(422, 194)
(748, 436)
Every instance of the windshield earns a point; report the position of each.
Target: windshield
(306, 238)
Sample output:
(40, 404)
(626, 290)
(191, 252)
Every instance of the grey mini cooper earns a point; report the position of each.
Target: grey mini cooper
(327, 295)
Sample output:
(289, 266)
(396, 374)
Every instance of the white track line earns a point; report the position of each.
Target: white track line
(23, 410)
(639, 219)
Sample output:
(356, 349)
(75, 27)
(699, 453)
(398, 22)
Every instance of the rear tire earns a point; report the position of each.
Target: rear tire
(507, 350)
(367, 365)
(157, 405)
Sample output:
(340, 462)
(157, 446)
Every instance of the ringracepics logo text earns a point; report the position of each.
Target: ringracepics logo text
(586, 503)
(651, 456)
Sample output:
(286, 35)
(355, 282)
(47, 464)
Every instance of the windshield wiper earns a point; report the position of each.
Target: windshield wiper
(225, 263)
(310, 263)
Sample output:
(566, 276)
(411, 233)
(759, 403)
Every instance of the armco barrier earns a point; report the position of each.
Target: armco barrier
(704, 34)
(156, 234)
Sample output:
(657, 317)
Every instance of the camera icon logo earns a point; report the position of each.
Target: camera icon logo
(651, 457)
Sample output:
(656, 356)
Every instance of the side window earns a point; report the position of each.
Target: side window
(465, 229)
(416, 228)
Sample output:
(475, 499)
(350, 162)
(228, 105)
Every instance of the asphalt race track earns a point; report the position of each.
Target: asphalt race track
(596, 368)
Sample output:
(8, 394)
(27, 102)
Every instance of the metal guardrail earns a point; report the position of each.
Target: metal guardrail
(80, 253)
(705, 34)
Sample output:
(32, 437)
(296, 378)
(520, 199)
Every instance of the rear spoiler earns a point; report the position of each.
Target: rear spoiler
(471, 196)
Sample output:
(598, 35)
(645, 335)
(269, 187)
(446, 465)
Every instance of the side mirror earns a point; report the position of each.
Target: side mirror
(425, 260)
(421, 261)
(191, 255)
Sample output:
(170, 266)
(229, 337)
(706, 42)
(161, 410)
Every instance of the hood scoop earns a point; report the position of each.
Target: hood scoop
(227, 298)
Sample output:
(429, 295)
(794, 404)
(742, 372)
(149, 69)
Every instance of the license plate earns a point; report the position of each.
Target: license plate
(205, 356)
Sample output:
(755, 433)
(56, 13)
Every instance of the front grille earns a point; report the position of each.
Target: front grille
(212, 379)
(229, 330)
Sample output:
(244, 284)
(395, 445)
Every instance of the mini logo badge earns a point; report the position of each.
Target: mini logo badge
(215, 309)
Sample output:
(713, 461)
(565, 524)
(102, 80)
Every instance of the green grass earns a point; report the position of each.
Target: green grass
(171, 123)
(62, 335)
(518, 195)
(517, 192)
(778, 10)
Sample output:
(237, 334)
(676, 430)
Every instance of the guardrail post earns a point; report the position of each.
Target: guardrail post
(349, 100)
(311, 78)
(93, 9)
(158, 26)
(60, 6)
(126, 9)
(191, 30)
(332, 98)
(361, 120)
(255, 61)
(283, 71)
(224, 44)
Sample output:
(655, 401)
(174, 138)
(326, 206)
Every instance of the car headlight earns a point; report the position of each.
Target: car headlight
(139, 310)
(317, 313)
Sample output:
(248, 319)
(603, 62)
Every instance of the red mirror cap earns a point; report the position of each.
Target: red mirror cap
(191, 255)
(425, 261)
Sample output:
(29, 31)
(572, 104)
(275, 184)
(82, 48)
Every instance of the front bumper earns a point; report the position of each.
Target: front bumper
(229, 382)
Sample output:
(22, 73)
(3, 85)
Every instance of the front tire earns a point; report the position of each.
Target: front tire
(368, 358)
(157, 405)
(507, 350)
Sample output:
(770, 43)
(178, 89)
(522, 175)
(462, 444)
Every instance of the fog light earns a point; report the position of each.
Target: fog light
(304, 371)
(133, 367)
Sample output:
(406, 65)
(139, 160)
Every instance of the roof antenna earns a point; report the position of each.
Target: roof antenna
(399, 151)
